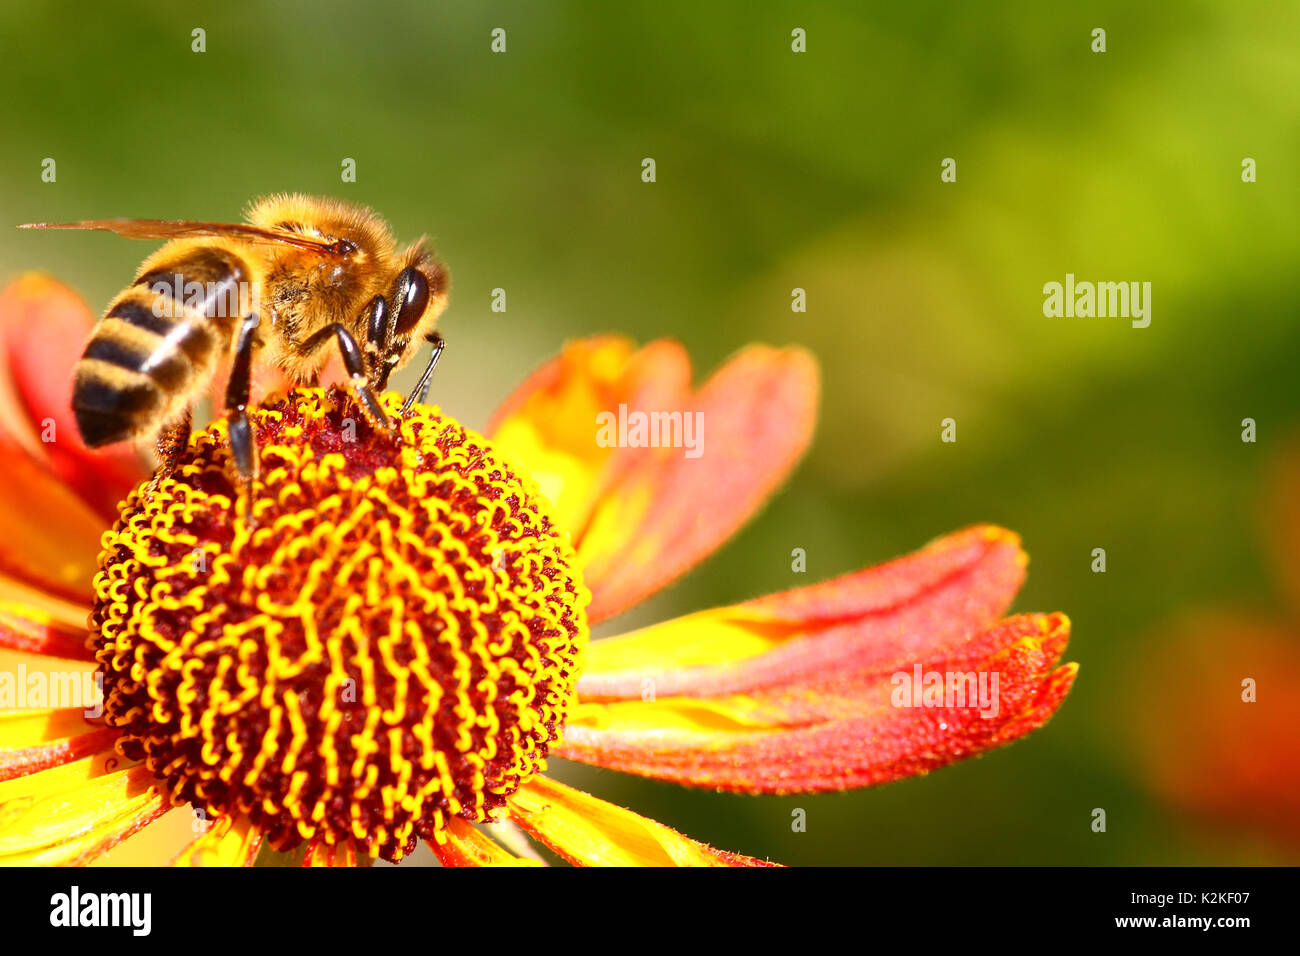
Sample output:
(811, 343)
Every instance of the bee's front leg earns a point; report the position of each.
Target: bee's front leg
(385, 318)
(379, 323)
(243, 447)
(355, 366)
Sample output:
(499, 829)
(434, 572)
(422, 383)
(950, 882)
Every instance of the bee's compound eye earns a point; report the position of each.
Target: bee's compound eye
(412, 298)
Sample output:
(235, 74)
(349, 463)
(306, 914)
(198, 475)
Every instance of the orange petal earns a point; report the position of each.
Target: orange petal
(73, 813)
(35, 740)
(466, 846)
(590, 832)
(30, 629)
(43, 329)
(227, 842)
(642, 516)
(49, 538)
(853, 730)
(922, 606)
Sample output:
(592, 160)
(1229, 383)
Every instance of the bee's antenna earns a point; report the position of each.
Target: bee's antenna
(422, 386)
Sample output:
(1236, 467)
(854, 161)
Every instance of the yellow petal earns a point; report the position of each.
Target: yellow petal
(20, 729)
(155, 845)
(31, 681)
(591, 832)
(73, 813)
(36, 603)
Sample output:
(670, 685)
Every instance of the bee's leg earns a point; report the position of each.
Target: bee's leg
(409, 298)
(421, 390)
(242, 445)
(380, 322)
(354, 364)
(173, 438)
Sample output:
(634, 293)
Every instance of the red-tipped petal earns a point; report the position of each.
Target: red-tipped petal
(875, 621)
(642, 516)
(547, 427)
(859, 731)
(671, 511)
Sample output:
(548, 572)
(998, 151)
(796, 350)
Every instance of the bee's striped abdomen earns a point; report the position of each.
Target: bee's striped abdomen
(157, 345)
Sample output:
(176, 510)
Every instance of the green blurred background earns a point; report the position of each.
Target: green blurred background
(776, 170)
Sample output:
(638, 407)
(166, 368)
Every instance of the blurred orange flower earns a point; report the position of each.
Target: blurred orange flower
(1216, 715)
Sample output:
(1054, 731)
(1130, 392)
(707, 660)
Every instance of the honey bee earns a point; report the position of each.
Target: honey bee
(300, 275)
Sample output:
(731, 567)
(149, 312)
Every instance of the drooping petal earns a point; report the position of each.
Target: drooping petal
(36, 740)
(43, 330)
(926, 605)
(641, 516)
(227, 842)
(854, 731)
(591, 832)
(466, 846)
(36, 631)
(73, 813)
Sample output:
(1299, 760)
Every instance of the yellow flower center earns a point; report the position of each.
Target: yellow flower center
(393, 640)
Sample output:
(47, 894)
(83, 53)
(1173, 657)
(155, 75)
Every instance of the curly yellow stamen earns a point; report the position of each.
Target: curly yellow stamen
(394, 639)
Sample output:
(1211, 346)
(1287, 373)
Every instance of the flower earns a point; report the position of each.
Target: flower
(391, 650)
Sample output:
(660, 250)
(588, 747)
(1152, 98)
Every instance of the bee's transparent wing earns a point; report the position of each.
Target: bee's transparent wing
(190, 229)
